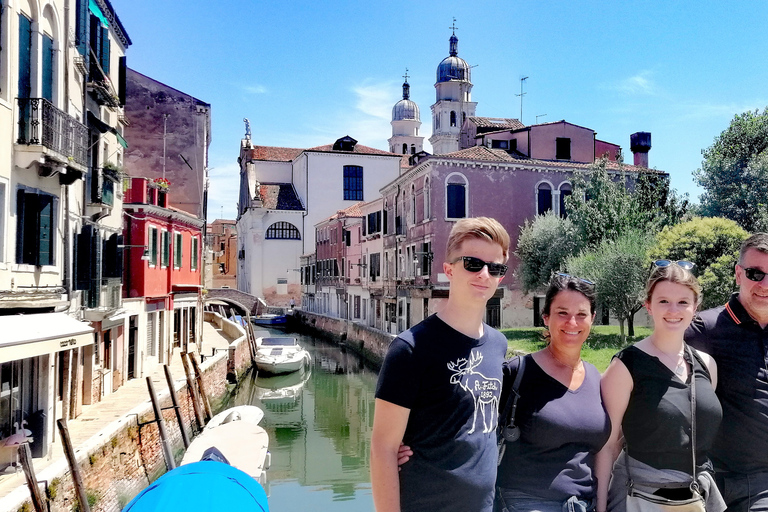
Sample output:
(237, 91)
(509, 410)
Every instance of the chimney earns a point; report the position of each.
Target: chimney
(640, 144)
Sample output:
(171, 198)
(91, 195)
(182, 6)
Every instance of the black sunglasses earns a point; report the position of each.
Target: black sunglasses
(569, 276)
(687, 265)
(472, 264)
(755, 274)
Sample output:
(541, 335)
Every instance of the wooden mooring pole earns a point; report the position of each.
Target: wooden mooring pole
(77, 478)
(176, 407)
(201, 387)
(165, 443)
(192, 391)
(25, 457)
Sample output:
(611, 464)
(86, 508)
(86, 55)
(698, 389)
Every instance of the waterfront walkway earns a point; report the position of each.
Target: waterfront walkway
(94, 422)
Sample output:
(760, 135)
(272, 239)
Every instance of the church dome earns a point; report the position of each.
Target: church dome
(453, 67)
(405, 109)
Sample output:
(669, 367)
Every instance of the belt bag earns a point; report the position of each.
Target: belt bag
(639, 501)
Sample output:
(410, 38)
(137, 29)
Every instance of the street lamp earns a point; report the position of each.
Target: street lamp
(145, 256)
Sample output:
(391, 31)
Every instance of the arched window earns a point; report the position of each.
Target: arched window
(427, 206)
(456, 186)
(453, 118)
(543, 198)
(405, 148)
(282, 231)
(565, 191)
(413, 204)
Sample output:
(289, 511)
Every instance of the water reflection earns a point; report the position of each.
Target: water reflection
(319, 422)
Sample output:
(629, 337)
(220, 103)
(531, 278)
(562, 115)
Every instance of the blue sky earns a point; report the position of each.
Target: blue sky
(306, 73)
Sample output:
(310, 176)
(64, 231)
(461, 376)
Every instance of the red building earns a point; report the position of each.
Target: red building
(163, 261)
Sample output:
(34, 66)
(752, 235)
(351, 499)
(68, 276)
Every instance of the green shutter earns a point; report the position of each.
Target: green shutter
(104, 50)
(177, 250)
(45, 230)
(166, 248)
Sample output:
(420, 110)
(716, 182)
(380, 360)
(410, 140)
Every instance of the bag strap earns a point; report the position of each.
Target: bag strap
(510, 408)
(694, 482)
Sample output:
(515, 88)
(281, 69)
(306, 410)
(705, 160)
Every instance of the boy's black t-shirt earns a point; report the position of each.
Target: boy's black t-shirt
(451, 384)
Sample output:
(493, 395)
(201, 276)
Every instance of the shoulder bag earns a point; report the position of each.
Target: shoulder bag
(507, 431)
(639, 501)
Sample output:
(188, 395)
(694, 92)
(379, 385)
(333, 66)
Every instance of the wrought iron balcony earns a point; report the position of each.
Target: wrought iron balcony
(41, 123)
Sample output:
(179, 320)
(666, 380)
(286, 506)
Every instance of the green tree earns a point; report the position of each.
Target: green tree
(734, 171)
(712, 243)
(542, 247)
(619, 269)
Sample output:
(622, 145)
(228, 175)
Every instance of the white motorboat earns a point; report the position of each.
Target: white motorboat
(277, 355)
(248, 413)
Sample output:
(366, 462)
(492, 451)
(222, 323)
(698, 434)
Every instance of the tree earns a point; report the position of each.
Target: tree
(734, 170)
(713, 245)
(542, 247)
(619, 269)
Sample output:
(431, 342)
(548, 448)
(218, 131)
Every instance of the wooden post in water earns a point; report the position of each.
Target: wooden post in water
(25, 457)
(192, 391)
(77, 478)
(176, 408)
(201, 387)
(165, 444)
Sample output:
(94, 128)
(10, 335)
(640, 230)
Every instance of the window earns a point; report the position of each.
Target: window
(99, 46)
(357, 306)
(456, 196)
(35, 228)
(25, 56)
(563, 148)
(48, 68)
(353, 183)
(427, 206)
(426, 259)
(165, 248)
(543, 198)
(453, 118)
(282, 231)
(565, 191)
(385, 222)
(152, 245)
(374, 222)
(500, 144)
(413, 204)
(405, 148)
(177, 241)
(194, 252)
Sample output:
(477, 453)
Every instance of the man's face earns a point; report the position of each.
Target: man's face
(753, 295)
(474, 286)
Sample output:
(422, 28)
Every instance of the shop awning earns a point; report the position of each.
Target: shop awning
(43, 333)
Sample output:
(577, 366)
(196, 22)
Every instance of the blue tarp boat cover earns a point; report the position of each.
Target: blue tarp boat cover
(201, 487)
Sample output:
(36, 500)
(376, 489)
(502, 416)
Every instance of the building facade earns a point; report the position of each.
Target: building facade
(222, 236)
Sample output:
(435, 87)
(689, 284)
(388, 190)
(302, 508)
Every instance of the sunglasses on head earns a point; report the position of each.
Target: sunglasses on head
(569, 276)
(687, 265)
(472, 264)
(755, 274)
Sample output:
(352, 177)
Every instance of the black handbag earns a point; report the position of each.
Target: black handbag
(507, 431)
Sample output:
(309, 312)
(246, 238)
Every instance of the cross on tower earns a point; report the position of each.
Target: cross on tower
(454, 27)
(406, 74)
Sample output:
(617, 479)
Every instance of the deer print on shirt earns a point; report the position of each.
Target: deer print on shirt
(485, 391)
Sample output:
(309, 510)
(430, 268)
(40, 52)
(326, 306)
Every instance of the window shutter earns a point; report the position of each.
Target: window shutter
(44, 253)
(48, 68)
(94, 286)
(95, 42)
(104, 50)
(456, 201)
(121, 81)
(81, 27)
(119, 256)
(83, 259)
(21, 220)
(25, 56)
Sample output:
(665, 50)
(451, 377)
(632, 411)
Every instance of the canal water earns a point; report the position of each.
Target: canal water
(319, 424)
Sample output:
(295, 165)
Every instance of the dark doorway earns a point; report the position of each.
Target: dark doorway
(133, 329)
(493, 312)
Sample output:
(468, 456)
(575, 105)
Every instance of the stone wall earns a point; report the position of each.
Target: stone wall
(126, 456)
(370, 343)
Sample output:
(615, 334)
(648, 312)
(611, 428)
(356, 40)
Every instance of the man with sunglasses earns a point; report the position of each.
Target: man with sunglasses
(439, 386)
(735, 335)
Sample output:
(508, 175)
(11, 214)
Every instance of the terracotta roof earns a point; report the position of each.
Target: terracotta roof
(279, 196)
(498, 123)
(359, 148)
(274, 154)
(499, 155)
(350, 211)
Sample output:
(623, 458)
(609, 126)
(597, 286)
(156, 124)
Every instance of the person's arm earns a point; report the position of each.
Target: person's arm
(389, 422)
(709, 361)
(616, 388)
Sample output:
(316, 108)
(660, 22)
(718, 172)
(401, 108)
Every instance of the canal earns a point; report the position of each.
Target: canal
(319, 424)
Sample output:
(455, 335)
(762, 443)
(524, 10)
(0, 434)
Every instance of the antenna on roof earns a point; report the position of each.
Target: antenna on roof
(521, 96)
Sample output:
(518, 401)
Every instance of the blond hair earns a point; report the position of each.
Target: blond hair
(673, 273)
(481, 228)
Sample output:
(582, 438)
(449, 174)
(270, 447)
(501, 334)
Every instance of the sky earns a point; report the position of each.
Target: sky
(306, 73)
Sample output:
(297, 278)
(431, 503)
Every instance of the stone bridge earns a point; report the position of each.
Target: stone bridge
(235, 296)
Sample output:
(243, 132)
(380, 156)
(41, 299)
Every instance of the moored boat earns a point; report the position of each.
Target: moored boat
(278, 355)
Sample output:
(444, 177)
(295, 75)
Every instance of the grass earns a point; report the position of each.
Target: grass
(602, 344)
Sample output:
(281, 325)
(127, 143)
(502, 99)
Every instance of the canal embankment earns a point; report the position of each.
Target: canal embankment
(117, 443)
(371, 344)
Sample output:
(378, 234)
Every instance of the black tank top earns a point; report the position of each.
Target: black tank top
(657, 423)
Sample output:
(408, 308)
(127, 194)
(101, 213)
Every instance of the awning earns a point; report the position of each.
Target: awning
(96, 11)
(121, 140)
(42, 333)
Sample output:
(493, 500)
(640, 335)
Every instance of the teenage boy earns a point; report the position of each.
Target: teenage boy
(438, 389)
(736, 336)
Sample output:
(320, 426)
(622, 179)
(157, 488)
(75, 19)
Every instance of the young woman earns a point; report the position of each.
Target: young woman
(560, 414)
(646, 391)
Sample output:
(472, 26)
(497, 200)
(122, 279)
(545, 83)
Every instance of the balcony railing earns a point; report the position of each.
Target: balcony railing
(42, 123)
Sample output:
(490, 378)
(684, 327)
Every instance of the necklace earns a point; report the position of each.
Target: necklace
(558, 361)
(679, 364)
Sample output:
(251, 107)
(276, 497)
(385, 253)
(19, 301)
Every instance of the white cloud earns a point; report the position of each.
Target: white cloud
(223, 190)
(639, 84)
(255, 89)
(375, 99)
